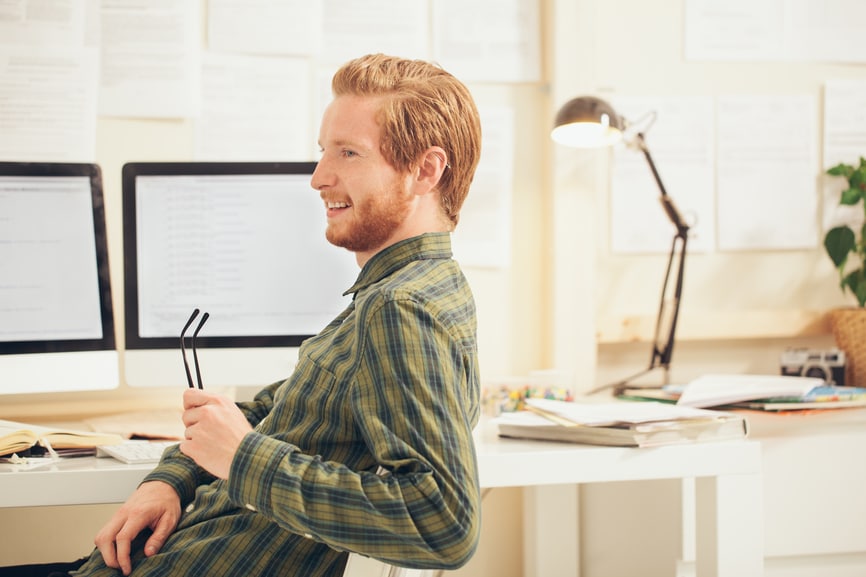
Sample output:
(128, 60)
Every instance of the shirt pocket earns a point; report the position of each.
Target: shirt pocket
(311, 410)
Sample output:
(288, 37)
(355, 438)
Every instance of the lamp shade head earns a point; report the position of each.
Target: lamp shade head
(587, 122)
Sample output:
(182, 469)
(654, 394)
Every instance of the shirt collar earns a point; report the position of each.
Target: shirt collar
(431, 245)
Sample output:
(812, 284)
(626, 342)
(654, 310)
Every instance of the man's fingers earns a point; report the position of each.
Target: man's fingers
(107, 551)
(104, 541)
(195, 398)
(159, 536)
(122, 545)
(115, 552)
(154, 505)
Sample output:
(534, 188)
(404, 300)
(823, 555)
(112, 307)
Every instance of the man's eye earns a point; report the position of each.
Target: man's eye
(349, 153)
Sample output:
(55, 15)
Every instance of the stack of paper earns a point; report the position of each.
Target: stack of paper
(622, 423)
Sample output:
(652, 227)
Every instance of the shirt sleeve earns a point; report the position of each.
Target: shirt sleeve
(183, 474)
(261, 405)
(180, 472)
(412, 402)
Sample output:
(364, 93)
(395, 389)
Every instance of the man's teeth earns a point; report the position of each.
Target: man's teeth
(338, 205)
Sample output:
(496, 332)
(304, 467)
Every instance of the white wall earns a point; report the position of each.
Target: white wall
(740, 309)
(750, 302)
(509, 298)
(513, 316)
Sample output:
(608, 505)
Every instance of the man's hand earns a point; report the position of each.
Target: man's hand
(155, 505)
(215, 428)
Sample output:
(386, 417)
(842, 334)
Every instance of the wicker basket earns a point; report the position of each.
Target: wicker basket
(849, 330)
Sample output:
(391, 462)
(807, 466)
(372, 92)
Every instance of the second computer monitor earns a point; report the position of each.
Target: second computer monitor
(56, 315)
(244, 242)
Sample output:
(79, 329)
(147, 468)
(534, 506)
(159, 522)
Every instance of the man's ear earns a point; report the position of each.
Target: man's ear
(431, 165)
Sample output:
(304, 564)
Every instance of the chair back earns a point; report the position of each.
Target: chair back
(360, 566)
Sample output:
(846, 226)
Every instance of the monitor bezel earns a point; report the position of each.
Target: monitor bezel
(130, 172)
(93, 173)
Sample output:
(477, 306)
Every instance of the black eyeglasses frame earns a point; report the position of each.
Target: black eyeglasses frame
(201, 323)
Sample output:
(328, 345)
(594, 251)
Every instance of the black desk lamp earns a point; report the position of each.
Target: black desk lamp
(588, 122)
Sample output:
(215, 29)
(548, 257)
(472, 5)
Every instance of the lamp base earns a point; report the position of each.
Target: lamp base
(619, 386)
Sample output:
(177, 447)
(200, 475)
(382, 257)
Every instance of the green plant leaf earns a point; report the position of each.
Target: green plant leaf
(857, 178)
(860, 293)
(841, 169)
(849, 281)
(851, 196)
(839, 242)
(855, 282)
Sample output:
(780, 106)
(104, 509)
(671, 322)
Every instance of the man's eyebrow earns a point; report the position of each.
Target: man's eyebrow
(348, 142)
(354, 144)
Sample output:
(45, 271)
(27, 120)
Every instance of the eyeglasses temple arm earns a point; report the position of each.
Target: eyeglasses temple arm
(201, 323)
(183, 347)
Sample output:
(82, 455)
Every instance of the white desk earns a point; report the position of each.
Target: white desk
(728, 486)
(729, 498)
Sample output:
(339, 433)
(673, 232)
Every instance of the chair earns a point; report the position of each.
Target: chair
(360, 566)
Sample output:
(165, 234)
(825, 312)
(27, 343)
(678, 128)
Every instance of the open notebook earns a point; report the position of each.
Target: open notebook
(16, 438)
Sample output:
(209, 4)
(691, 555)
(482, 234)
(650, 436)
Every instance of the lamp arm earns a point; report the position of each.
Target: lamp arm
(668, 313)
(667, 202)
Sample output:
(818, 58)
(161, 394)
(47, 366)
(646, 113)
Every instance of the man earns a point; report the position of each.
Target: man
(367, 447)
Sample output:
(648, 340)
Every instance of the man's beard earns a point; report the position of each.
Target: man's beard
(375, 220)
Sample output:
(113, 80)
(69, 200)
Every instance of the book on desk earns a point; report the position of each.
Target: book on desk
(24, 438)
(620, 423)
(756, 392)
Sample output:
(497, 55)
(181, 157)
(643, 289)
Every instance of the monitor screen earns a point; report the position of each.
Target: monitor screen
(244, 242)
(56, 323)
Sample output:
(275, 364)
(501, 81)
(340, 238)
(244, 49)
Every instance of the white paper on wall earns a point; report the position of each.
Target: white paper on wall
(255, 108)
(767, 161)
(488, 40)
(775, 30)
(396, 27)
(483, 235)
(275, 27)
(150, 59)
(49, 103)
(681, 144)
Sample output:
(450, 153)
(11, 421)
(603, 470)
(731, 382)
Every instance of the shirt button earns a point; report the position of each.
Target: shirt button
(308, 536)
(250, 507)
(190, 508)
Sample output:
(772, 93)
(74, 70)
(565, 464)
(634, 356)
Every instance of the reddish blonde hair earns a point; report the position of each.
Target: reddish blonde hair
(424, 106)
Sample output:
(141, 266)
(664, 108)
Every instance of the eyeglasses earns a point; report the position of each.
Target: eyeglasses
(194, 353)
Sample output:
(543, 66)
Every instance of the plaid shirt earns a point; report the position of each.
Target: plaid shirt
(367, 447)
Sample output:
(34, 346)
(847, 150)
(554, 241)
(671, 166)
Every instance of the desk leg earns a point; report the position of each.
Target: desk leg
(551, 534)
(730, 528)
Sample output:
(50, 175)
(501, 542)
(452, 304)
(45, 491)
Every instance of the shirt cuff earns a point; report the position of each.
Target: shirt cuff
(179, 471)
(254, 466)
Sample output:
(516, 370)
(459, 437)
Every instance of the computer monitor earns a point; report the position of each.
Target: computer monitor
(242, 241)
(56, 322)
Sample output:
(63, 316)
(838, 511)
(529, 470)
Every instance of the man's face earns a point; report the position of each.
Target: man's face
(366, 199)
